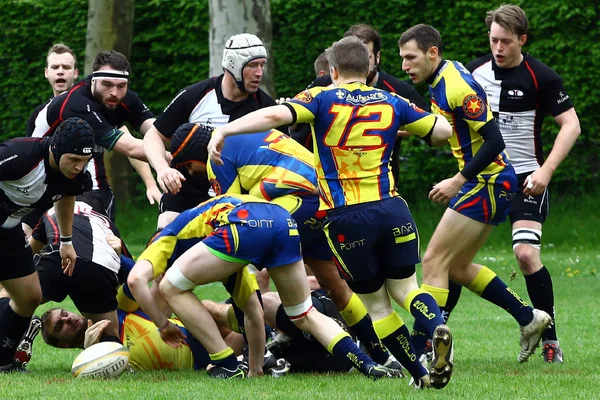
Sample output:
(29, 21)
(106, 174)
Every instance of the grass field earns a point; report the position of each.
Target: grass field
(486, 338)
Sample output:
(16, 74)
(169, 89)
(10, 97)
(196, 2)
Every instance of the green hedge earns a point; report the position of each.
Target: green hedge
(170, 51)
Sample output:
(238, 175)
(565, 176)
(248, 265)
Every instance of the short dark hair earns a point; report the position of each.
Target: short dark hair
(113, 58)
(510, 17)
(46, 335)
(425, 36)
(349, 55)
(367, 34)
(61, 48)
(321, 63)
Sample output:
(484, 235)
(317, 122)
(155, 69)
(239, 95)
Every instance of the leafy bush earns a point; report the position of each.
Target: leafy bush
(170, 51)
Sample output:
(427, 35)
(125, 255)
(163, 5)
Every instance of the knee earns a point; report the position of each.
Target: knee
(528, 258)
(431, 260)
(28, 301)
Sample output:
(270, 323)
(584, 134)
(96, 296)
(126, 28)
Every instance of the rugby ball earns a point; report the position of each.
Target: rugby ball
(102, 360)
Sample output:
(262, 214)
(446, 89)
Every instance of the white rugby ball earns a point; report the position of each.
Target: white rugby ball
(102, 360)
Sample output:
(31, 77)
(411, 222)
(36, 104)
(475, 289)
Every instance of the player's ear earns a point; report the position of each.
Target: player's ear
(523, 40)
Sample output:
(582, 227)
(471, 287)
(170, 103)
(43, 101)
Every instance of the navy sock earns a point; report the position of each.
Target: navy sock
(501, 295)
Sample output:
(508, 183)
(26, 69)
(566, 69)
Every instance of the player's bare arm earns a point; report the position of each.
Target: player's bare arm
(138, 279)
(567, 135)
(169, 179)
(130, 146)
(257, 121)
(64, 216)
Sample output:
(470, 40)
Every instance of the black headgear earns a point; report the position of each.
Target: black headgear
(189, 144)
(73, 136)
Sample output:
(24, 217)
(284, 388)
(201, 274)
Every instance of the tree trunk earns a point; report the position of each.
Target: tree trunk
(110, 27)
(230, 17)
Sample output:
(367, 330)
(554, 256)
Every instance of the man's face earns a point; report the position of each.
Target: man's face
(67, 327)
(373, 62)
(253, 73)
(505, 46)
(72, 164)
(61, 72)
(109, 92)
(195, 168)
(415, 63)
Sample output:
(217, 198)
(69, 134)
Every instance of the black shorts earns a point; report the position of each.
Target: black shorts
(92, 287)
(193, 192)
(304, 353)
(529, 208)
(17, 259)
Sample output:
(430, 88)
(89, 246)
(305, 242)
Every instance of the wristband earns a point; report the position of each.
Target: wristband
(164, 326)
(65, 239)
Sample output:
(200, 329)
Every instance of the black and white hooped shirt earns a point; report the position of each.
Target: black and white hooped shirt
(520, 98)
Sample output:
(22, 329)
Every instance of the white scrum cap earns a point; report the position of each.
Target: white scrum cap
(239, 51)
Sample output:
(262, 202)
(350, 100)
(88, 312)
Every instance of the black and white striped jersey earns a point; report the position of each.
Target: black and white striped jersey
(27, 182)
(80, 102)
(520, 98)
(204, 103)
(89, 235)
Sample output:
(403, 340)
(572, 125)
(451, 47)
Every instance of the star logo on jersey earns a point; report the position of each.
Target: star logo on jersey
(473, 106)
(304, 97)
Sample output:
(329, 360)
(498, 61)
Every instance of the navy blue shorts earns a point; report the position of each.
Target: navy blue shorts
(263, 234)
(373, 240)
(487, 198)
(312, 237)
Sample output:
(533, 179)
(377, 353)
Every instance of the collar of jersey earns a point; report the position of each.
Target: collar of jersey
(437, 71)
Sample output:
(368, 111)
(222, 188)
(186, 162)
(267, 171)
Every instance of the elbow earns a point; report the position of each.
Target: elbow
(135, 282)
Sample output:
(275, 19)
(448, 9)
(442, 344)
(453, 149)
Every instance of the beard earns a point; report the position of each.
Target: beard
(372, 74)
(102, 101)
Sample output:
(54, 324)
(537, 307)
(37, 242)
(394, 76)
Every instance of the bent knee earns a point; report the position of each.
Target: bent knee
(528, 258)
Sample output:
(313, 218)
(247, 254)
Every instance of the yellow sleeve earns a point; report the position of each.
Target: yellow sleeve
(159, 253)
(420, 127)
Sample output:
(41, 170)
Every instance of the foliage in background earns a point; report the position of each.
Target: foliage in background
(170, 51)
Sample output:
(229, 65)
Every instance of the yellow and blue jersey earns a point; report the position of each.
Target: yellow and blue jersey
(354, 131)
(191, 226)
(194, 225)
(456, 95)
(267, 165)
(147, 351)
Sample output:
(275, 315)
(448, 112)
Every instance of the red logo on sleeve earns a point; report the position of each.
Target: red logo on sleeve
(304, 97)
(473, 106)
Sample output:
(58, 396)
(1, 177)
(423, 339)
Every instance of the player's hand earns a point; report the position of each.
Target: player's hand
(169, 179)
(537, 182)
(68, 257)
(215, 146)
(172, 335)
(445, 190)
(153, 195)
(114, 242)
(94, 332)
